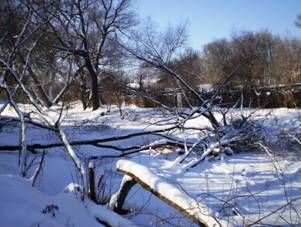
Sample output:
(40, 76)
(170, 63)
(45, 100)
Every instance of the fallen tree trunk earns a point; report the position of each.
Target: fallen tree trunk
(167, 192)
(125, 150)
(96, 142)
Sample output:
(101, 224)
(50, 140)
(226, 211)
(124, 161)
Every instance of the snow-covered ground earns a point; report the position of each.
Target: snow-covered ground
(249, 187)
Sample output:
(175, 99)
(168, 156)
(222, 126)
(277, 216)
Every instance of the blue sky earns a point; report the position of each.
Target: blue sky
(214, 19)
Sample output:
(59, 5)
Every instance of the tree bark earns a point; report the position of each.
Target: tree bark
(117, 199)
(94, 84)
(91, 174)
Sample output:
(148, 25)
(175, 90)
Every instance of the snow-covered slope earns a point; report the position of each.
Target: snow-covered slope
(241, 189)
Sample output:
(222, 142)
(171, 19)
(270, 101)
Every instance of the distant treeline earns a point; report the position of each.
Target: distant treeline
(257, 58)
(251, 66)
(288, 96)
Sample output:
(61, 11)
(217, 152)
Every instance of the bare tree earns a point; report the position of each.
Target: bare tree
(158, 50)
(12, 71)
(15, 15)
(86, 30)
(298, 21)
(113, 90)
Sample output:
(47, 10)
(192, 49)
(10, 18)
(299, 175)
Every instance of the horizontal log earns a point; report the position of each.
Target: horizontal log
(95, 142)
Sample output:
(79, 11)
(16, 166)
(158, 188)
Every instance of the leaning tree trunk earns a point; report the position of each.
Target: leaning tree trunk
(40, 90)
(41, 93)
(94, 84)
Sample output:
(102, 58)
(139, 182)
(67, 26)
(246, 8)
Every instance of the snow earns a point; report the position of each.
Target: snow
(134, 85)
(23, 205)
(246, 182)
(109, 217)
(238, 189)
(206, 87)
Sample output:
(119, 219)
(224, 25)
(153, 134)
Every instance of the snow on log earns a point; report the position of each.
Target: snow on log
(167, 192)
(109, 218)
